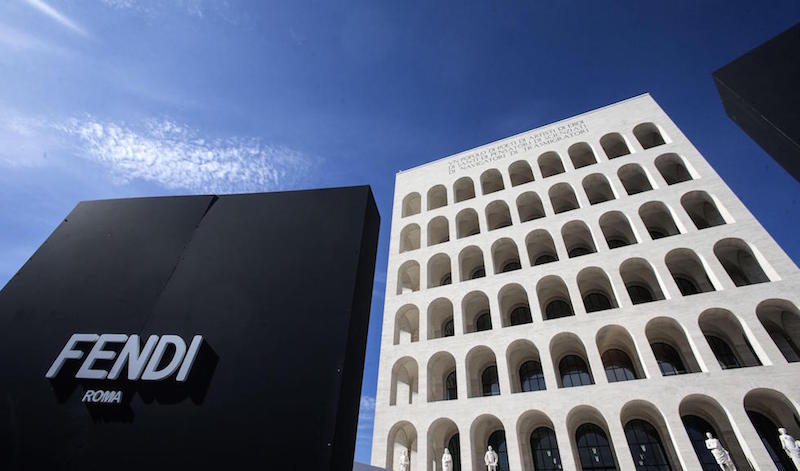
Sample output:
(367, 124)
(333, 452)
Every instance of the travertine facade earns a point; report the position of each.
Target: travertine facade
(632, 301)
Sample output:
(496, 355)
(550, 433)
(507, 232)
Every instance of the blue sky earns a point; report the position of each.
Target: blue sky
(116, 98)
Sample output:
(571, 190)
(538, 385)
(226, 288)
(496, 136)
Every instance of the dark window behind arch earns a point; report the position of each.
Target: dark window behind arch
(696, 428)
(639, 294)
(497, 440)
(574, 372)
(557, 308)
(489, 384)
(454, 447)
(594, 449)
(669, 360)
(451, 387)
(646, 447)
(521, 315)
(725, 356)
(544, 450)
(448, 329)
(531, 377)
(484, 322)
(767, 432)
(618, 366)
(596, 302)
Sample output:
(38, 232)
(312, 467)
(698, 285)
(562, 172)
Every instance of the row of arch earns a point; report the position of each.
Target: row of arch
(642, 282)
(671, 345)
(648, 436)
(671, 166)
(703, 209)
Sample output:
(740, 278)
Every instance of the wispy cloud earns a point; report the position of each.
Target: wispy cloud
(56, 15)
(21, 41)
(161, 151)
(177, 156)
(366, 413)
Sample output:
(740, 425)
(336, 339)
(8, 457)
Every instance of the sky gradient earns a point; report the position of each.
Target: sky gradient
(118, 98)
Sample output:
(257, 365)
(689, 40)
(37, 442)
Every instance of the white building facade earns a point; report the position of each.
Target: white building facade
(586, 295)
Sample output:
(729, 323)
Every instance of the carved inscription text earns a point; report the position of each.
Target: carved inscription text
(518, 145)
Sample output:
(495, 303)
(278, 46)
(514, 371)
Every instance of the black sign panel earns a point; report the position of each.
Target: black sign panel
(278, 285)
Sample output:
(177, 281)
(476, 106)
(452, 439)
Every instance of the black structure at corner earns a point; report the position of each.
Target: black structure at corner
(761, 93)
(279, 285)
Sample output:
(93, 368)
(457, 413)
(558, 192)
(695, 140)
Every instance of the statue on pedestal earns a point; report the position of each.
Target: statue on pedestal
(790, 446)
(404, 461)
(720, 453)
(491, 459)
(447, 461)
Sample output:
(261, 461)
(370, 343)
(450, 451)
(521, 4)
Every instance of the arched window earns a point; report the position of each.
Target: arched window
(520, 172)
(406, 325)
(437, 197)
(595, 289)
(550, 164)
(581, 155)
(408, 277)
(541, 248)
(672, 168)
(450, 387)
(404, 382)
(614, 145)
(409, 238)
(553, 297)
(673, 352)
(594, 449)
(531, 377)
(618, 366)
(544, 449)
(467, 223)
(739, 262)
(647, 450)
(439, 271)
(529, 206)
(463, 189)
(578, 239)
(491, 181)
(562, 197)
(471, 262)
(640, 281)
(473, 307)
(702, 209)
(669, 360)
(489, 383)
(412, 204)
(634, 179)
(484, 322)
(505, 256)
(497, 441)
(781, 320)
(648, 135)
(440, 318)
(597, 188)
(697, 428)
(438, 231)
(617, 230)
(574, 372)
(497, 215)
(688, 272)
(658, 220)
(727, 339)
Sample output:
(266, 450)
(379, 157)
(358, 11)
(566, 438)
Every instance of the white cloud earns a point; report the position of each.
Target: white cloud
(56, 15)
(177, 156)
(20, 41)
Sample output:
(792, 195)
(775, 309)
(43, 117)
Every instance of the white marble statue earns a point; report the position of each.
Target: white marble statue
(491, 459)
(720, 453)
(447, 461)
(404, 461)
(790, 446)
